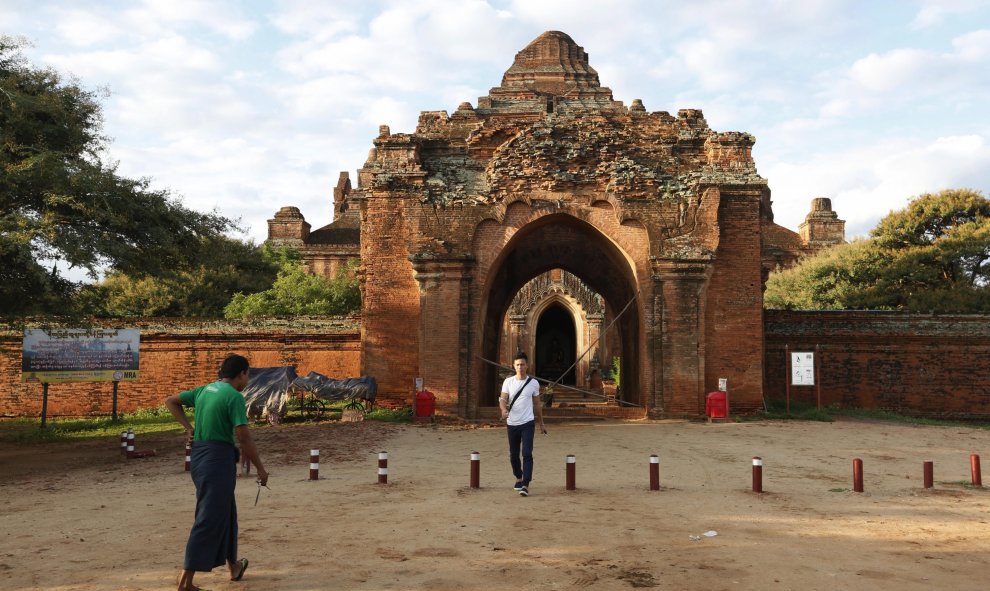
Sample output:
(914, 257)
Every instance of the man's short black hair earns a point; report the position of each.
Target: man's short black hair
(520, 355)
(233, 365)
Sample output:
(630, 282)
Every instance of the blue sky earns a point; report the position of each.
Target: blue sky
(249, 106)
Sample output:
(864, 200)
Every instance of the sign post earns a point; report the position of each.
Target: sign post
(787, 379)
(802, 373)
(54, 356)
(44, 404)
(113, 415)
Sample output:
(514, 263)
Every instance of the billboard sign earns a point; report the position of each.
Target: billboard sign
(80, 355)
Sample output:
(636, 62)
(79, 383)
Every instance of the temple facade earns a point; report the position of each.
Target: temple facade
(551, 218)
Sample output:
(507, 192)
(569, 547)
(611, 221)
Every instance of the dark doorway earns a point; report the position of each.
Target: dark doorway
(556, 345)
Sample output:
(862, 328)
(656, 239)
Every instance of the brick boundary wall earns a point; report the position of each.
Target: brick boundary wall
(936, 366)
(915, 364)
(178, 355)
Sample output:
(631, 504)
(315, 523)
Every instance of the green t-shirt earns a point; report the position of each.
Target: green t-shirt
(219, 408)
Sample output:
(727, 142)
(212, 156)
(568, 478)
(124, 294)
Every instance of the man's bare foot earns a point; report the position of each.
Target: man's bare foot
(184, 582)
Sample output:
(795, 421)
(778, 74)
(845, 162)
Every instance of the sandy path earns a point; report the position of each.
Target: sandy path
(76, 517)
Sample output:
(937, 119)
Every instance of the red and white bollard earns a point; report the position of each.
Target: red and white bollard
(188, 457)
(974, 470)
(929, 474)
(245, 467)
(123, 443)
(130, 443)
(857, 475)
(654, 472)
(475, 470)
(314, 464)
(757, 474)
(571, 470)
(383, 467)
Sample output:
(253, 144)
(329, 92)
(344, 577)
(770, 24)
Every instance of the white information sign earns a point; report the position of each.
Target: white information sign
(723, 384)
(802, 369)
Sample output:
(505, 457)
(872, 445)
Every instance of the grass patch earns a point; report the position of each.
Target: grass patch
(401, 415)
(144, 421)
(799, 411)
(893, 417)
(962, 483)
(803, 411)
(28, 431)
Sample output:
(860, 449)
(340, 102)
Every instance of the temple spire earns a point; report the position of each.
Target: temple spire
(550, 73)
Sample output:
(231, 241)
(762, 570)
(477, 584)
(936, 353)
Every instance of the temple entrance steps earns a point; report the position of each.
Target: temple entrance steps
(586, 413)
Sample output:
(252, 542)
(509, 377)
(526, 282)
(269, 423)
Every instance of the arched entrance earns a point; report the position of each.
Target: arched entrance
(556, 345)
(569, 243)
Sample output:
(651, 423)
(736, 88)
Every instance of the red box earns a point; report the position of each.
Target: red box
(715, 405)
(424, 404)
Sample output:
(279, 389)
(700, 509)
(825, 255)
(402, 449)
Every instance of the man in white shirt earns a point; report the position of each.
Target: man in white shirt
(521, 408)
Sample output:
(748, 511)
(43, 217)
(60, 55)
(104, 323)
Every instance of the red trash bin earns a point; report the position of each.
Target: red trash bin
(426, 403)
(715, 406)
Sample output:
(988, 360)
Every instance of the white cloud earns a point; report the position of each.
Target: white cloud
(252, 106)
(973, 47)
(891, 71)
(320, 20)
(910, 74)
(398, 115)
(865, 182)
(223, 17)
(84, 28)
(934, 12)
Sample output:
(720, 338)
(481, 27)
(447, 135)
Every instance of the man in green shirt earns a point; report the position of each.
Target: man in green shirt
(220, 416)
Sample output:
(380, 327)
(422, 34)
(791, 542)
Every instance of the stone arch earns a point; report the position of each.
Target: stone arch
(548, 240)
(578, 318)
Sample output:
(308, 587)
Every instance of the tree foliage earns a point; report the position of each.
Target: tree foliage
(299, 293)
(832, 279)
(220, 268)
(62, 203)
(932, 256)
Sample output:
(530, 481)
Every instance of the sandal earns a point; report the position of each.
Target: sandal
(244, 564)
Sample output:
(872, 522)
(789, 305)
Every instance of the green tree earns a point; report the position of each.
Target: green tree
(932, 256)
(62, 204)
(947, 233)
(832, 279)
(220, 268)
(299, 293)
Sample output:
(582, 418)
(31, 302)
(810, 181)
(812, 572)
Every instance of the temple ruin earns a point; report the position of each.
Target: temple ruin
(553, 219)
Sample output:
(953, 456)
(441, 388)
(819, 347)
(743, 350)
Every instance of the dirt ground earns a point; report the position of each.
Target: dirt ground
(77, 517)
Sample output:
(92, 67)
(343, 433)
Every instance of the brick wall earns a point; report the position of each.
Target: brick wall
(734, 305)
(178, 356)
(923, 365)
(390, 306)
(913, 364)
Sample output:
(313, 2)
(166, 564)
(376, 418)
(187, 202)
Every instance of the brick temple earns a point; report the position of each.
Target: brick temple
(553, 219)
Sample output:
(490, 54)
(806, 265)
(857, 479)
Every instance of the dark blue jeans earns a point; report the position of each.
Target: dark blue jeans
(521, 436)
